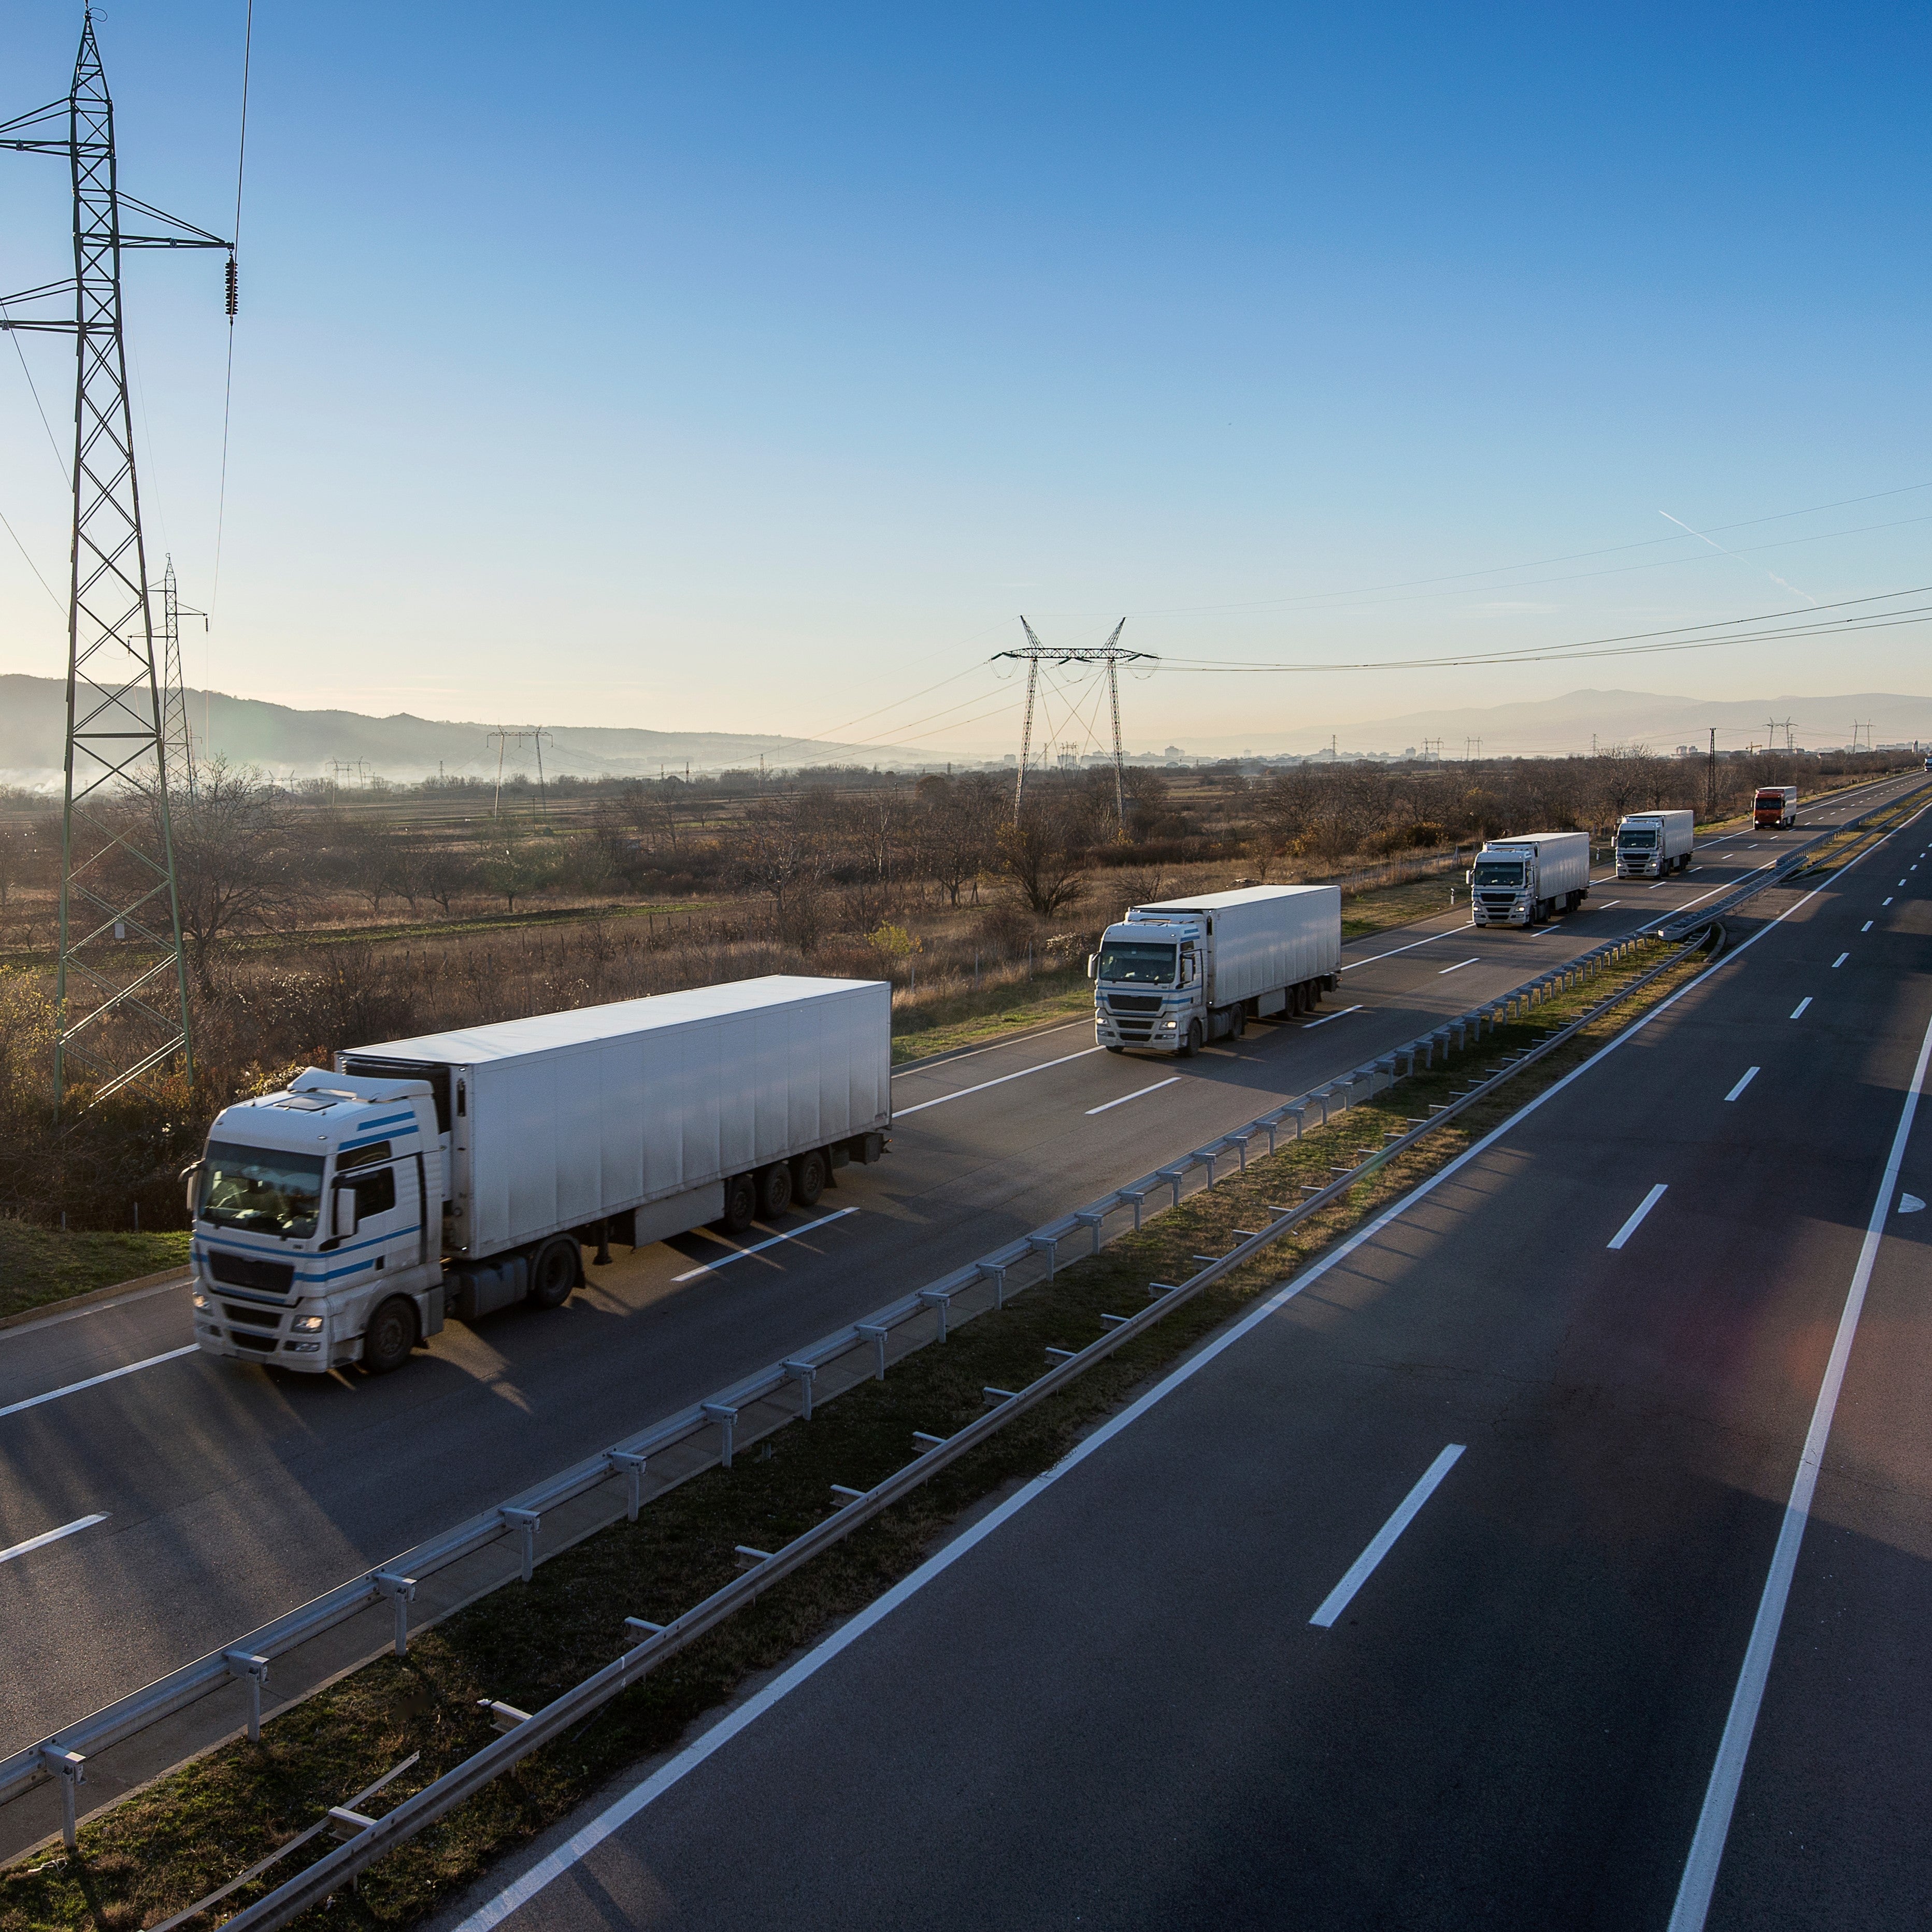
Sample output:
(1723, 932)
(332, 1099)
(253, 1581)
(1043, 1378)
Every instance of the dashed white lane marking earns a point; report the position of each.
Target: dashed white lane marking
(1457, 967)
(1359, 1572)
(1134, 1095)
(900, 1113)
(1636, 1221)
(1750, 1074)
(1867, 927)
(1308, 1026)
(1886, 901)
(94, 1381)
(47, 1536)
(1394, 949)
(759, 1247)
(1801, 1006)
(1839, 961)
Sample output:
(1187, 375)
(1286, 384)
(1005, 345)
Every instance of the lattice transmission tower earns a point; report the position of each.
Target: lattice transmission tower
(177, 734)
(120, 992)
(1033, 654)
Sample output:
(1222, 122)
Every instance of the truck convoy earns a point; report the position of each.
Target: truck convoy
(342, 1219)
(1651, 844)
(1777, 804)
(1173, 975)
(1522, 881)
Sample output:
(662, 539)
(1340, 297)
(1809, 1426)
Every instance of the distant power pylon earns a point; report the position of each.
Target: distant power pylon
(177, 737)
(118, 1020)
(1033, 654)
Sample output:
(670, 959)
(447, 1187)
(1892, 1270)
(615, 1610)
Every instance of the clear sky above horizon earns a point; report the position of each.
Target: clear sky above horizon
(752, 370)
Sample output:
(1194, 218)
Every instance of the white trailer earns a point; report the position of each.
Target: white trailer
(1176, 974)
(1521, 881)
(1651, 844)
(339, 1221)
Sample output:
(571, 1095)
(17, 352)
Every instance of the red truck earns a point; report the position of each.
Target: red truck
(1777, 804)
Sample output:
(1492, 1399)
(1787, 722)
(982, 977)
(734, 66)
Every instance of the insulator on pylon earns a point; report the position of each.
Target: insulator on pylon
(233, 285)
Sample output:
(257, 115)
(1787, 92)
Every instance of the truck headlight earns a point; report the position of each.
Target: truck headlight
(306, 1324)
(1169, 1025)
(199, 1300)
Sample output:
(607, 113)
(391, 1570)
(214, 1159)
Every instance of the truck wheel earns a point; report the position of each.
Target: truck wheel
(741, 1204)
(554, 1272)
(1192, 1045)
(807, 1179)
(390, 1336)
(1238, 1026)
(775, 1189)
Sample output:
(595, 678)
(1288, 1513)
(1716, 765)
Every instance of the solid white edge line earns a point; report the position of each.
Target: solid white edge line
(1359, 1572)
(1750, 1074)
(47, 1536)
(615, 1816)
(1636, 1221)
(1308, 1026)
(1801, 1006)
(1713, 1818)
(57, 1314)
(1458, 965)
(901, 1113)
(94, 1381)
(759, 1247)
(998, 1046)
(1134, 1095)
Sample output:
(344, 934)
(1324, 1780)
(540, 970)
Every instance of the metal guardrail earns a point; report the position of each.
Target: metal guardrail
(528, 1731)
(247, 1660)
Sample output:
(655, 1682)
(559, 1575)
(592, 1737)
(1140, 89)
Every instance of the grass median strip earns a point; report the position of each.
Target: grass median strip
(164, 1847)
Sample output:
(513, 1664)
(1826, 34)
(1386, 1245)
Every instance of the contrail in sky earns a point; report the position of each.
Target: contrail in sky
(1719, 548)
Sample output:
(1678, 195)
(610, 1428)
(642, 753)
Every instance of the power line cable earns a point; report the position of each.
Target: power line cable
(235, 243)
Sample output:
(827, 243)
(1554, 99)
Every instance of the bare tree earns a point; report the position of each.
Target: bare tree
(235, 863)
(1042, 850)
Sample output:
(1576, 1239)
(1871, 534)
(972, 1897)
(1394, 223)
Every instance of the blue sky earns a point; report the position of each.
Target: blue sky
(751, 370)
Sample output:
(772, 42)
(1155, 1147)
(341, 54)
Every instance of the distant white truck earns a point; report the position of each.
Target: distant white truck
(1175, 974)
(1651, 844)
(341, 1220)
(1524, 880)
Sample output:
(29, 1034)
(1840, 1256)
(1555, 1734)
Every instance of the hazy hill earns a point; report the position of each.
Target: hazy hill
(279, 738)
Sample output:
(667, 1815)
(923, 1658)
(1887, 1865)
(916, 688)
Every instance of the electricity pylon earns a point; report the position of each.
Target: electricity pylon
(177, 735)
(117, 1020)
(1033, 654)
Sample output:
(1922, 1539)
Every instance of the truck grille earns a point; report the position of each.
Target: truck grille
(245, 1271)
(258, 1318)
(1133, 1002)
(264, 1342)
(1135, 1029)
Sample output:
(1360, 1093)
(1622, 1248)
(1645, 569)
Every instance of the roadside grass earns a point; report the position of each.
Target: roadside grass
(39, 1265)
(166, 1846)
(1376, 908)
(975, 1016)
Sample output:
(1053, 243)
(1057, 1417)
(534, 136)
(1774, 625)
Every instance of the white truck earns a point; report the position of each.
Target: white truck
(340, 1220)
(1651, 844)
(1172, 976)
(1521, 881)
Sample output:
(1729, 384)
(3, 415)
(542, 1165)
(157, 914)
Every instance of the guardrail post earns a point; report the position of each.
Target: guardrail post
(1048, 1245)
(803, 1372)
(726, 1419)
(1091, 1220)
(1136, 1195)
(1172, 1176)
(401, 1591)
(1241, 1138)
(876, 1333)
(941, 1299)
(996, 1272)
(254, 1671)
(633, 1467)
(70, 1767)
(528, 1520)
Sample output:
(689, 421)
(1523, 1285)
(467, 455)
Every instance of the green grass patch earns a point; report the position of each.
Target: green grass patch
(974, 1015)
(1376, 908)
(166, 1847)
(38, 1265)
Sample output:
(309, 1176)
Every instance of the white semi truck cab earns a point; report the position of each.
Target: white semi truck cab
(1651, 844)
(310, 1207)
(1173, 975)
(1522, 880)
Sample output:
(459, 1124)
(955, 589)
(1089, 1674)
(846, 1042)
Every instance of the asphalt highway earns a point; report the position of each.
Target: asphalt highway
(1443, 1590)
(199, 1499)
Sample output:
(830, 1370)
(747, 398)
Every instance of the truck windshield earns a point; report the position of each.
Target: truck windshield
(262, 1190)
(1137, 965)
(1776, 798)
(1499, 872)
(1638, 840)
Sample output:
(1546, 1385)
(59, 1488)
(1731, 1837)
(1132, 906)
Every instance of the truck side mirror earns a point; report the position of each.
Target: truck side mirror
(1093, 965)
(191, 1176)
(344, 1220)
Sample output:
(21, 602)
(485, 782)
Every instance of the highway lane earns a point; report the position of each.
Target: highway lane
(1111, 1703)
(230, 1495)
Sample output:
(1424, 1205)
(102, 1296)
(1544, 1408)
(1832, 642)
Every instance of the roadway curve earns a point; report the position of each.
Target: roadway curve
(224, 1496)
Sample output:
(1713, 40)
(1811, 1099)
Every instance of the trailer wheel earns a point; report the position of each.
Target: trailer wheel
(554, 1272)
(807, 1179)
(390, 1336)
(775, 1189)
(1238, 1024)
(741, 1204)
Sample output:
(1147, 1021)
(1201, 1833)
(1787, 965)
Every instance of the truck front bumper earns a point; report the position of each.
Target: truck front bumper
(245, 1331)
(1155, 1032)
